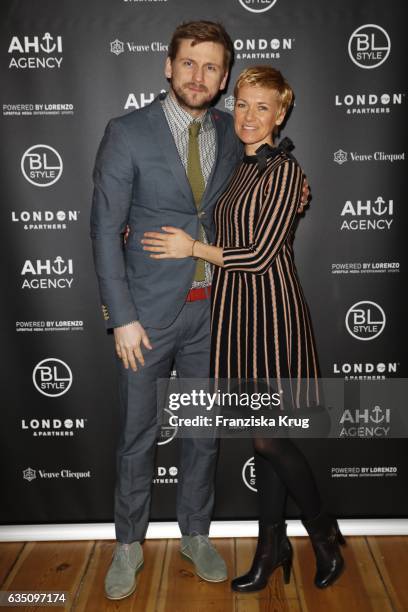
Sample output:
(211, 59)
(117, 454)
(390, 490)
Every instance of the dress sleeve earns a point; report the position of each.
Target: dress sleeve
(281, 199)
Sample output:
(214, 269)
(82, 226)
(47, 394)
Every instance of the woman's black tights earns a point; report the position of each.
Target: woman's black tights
(282, 468)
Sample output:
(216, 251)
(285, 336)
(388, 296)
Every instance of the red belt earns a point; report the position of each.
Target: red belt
(199, 293)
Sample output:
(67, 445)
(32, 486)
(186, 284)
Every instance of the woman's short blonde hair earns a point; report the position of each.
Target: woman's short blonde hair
(270, 78)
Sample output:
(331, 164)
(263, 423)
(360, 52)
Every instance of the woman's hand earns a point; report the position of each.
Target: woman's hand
(305, 196)
(175, 243)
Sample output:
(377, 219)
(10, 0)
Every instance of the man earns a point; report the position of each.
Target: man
(165, 164)
(149, 171)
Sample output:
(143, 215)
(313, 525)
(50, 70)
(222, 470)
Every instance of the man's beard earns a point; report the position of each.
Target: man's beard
(183, 100)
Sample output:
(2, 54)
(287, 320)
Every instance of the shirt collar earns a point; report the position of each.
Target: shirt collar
(181, 117)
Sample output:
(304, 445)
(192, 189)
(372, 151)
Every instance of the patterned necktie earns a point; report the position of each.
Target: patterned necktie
(197, 184)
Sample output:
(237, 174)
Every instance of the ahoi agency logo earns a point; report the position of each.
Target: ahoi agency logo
(369, 46)
(35, 52)
(257, 6)
(140, 100)
(41, 165)
(248, 474)
(376, 214)
(58, 274)
(52, 377)
(365, 320)
(365, 423)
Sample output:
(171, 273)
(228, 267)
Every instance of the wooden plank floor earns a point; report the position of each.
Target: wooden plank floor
(375, 580)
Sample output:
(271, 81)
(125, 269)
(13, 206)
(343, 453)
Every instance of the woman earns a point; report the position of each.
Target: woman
(261, 327)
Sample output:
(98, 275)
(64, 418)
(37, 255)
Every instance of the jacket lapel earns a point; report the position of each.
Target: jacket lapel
(219, 140)
(166, 144)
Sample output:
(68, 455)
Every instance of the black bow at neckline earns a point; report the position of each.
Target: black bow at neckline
(265, 151)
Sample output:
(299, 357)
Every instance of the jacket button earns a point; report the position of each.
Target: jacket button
(105, 312)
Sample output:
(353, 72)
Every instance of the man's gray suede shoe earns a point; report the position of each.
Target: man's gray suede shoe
(209, 564)
(120, 581)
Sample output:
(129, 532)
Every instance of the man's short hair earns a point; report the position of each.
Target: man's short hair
(202, 31)
(270, 78)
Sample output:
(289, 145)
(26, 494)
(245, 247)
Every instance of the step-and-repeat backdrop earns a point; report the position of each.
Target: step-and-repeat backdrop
(67, 67)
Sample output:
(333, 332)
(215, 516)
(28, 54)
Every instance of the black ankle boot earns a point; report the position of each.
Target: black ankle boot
(325, 535)
(273, 549)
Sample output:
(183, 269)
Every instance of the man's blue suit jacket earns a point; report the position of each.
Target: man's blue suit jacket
(140, 182)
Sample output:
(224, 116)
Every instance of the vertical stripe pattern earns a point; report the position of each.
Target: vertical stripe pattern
(261, 326)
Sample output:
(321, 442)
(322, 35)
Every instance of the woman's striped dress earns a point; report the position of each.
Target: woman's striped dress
(261, 326)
